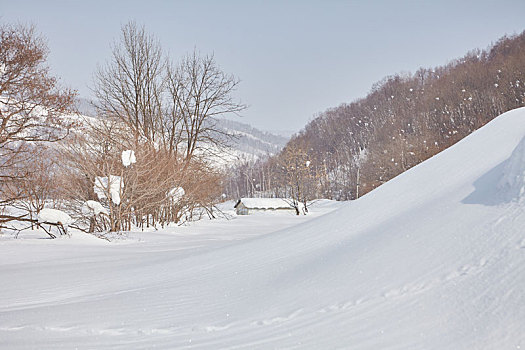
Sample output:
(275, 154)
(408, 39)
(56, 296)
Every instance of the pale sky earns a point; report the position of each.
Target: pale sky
(295, 59)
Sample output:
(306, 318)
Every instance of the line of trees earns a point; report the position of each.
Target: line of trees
(158, 114)
(404, 120)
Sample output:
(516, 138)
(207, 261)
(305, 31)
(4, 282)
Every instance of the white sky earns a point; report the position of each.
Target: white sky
(295, 58)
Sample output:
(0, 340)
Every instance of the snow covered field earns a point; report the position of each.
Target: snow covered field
(434, 259)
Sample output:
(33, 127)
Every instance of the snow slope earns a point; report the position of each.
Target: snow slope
(434, 259)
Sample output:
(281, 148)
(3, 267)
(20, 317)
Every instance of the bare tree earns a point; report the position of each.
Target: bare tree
(93, 163)
(31, 108)
(199, 92)
(166, 114)
(153, 190)
(295, 165)
(38, 187)
(131, 84)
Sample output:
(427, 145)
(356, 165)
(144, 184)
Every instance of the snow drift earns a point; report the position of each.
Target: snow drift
(512, 183)
(430, 260)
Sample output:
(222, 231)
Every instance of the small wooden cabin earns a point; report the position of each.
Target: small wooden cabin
(246, 206)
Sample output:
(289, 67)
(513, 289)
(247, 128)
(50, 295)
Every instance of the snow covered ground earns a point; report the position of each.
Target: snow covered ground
(434, 259)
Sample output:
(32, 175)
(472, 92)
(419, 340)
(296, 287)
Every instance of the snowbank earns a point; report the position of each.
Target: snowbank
(512, 183)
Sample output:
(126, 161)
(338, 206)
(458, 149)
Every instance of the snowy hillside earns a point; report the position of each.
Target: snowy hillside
(248, 143)
(252, 141)
(433, 259)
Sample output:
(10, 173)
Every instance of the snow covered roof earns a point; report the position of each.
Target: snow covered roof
(264, 203)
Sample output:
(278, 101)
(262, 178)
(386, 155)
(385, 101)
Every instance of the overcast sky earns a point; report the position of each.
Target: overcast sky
(294, 58)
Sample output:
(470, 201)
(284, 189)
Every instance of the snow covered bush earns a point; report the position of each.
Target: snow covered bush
(97, 215)
(109, 187)
(128, 158)
(136, 188)
(54, 218)
(93, 208)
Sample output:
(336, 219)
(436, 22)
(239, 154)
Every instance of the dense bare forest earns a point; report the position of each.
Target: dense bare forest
(351, 149)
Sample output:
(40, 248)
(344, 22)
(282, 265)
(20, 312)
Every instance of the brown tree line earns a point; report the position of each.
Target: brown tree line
(404, 120)
(160, 111)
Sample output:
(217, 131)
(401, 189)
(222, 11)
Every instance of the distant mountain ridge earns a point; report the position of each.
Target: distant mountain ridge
(248, 139)
(248, 143)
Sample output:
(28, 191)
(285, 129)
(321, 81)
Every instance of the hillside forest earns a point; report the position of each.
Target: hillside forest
(347, 151)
